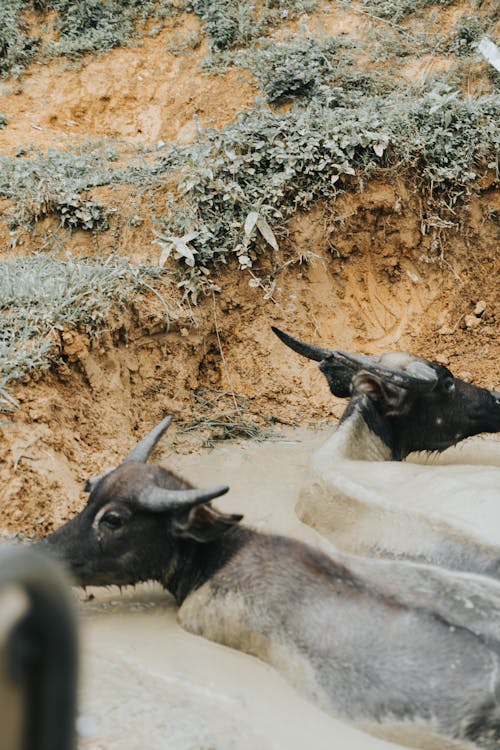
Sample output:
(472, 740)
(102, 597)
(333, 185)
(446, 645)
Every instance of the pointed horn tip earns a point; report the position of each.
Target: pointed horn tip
(162, 426)
(146, 446)
(311, 351)
(278, 332)
(222, 489)
(157, 499)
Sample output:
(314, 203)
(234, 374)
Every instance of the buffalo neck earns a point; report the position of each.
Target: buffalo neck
(366, 434)
(196, 562)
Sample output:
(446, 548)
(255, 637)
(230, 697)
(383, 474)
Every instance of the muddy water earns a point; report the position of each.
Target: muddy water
(146, 683)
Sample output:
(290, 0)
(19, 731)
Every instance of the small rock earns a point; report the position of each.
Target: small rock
(480, 307)
(471, 321)
(443, 359)
(413, 277)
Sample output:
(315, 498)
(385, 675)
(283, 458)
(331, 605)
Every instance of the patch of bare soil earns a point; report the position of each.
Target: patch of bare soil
(141, 93)
(367, 275)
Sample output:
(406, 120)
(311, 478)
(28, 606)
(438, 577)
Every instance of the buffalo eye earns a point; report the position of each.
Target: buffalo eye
(112, 520)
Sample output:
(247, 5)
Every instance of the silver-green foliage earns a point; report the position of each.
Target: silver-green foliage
(41, 183)
(97, 25)
(88, 25)
(81, 26)
(53, 182)
(395, 10)
(272, 164)
(232, 23)
(41, 294)
(16, 46)
(469, 29)
(82, 214)
(296, 66)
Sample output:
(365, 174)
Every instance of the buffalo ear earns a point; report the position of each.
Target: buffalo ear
(203, 523)
(379, 390)
(92, 482)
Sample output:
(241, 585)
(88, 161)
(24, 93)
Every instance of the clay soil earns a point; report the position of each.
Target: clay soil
(366, 274)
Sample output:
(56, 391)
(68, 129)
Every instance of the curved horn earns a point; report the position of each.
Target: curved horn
(419, 376)
(140, 453)
(307, 350)
(158, 499)
(143, 450)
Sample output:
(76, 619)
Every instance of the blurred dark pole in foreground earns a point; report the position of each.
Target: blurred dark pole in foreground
(38, 653)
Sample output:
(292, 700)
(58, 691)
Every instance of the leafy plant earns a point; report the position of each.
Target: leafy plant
(395, 10)
(231, 23)
(90, 25)
(270, 164)
(468, 30)
(78, 214)
(296, 66)
(44, 183)
(16, 46)
(97, 25)
(81, 26)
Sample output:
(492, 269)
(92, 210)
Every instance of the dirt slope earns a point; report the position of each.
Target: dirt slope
(372, 281)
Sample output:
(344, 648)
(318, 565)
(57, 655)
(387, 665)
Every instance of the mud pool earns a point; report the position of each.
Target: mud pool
(146, 683)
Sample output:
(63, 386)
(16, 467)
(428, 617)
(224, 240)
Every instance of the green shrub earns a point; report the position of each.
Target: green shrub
(88, 25)
(16, 47)
(231, 23)
(468, 31)
(53, 182)
(82, 26)
(41, 294)
(78, 214)
(44, 183)
(297, 66)
(395, 10)
(267, 165)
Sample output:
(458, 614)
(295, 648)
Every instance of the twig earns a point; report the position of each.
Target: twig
(21, 454)
(268, 294)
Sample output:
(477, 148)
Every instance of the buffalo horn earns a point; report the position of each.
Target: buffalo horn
(142, 450)
(158, 499)
(419, 376)
(307, 350)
